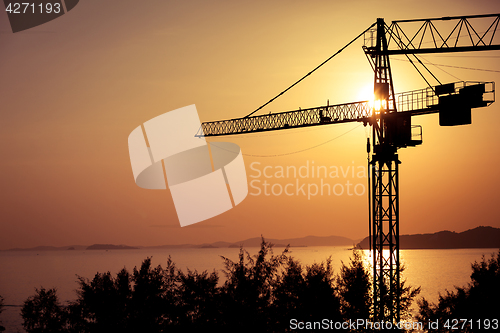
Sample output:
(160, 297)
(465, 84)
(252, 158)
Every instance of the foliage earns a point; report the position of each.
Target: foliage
(248, 291)
(261, 293)
(42, 313)
(477, 302)
(319, 295)
(354, 287)
(102, 303)
(1, 310)
(408, 295)
(306, 295)
(198, 300)
(289, 294)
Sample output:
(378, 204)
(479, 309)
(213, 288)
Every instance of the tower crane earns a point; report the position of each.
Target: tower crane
(391, 120)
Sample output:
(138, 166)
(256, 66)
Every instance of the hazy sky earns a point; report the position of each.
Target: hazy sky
(73, 89)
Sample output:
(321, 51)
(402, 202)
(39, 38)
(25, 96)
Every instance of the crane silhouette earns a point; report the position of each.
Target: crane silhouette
(390, 117)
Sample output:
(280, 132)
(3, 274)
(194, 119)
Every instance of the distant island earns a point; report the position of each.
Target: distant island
(250, 242)
(480, 237)
(110, 247)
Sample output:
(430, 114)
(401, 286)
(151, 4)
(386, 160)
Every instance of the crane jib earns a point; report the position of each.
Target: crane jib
(412, 103)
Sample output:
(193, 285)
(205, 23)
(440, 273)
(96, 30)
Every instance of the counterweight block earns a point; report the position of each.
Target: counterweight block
(456, 109)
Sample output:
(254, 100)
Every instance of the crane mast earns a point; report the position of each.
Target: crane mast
(392, 130)
(384, 188)
(390, 117)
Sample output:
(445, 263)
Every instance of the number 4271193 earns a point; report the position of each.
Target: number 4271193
(31, 8)
(460, 324)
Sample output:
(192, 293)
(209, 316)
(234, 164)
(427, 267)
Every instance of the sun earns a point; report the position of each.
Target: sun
(366, 93)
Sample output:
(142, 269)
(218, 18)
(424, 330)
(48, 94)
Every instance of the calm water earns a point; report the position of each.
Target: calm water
(22, 272)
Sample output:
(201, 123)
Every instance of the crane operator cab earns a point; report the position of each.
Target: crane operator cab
(400, 132)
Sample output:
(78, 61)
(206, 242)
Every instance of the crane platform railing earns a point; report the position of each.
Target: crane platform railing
(426, 100)
(416, 102)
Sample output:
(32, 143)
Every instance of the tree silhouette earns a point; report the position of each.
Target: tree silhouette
(478, 302)
(1, 310)
(42, 313)
(102, 303)
(199, 298)
(248, 291)
(304, 294)
(354, 285)
(407, 296)
(154, 297)
(289, 295)
(320, 298)
(261, 293)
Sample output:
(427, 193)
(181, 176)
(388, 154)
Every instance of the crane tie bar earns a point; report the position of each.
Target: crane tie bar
(317, 67)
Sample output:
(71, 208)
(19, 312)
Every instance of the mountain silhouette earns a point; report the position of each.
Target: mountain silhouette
(480, 237)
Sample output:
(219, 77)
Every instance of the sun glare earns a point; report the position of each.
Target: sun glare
(366, 94)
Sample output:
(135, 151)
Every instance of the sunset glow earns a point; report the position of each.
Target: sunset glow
(73, 89)
(158, 141)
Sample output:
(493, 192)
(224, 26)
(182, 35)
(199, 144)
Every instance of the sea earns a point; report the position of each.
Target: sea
(22, 271)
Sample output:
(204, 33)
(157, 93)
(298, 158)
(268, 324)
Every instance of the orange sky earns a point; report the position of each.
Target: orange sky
(74, 88)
